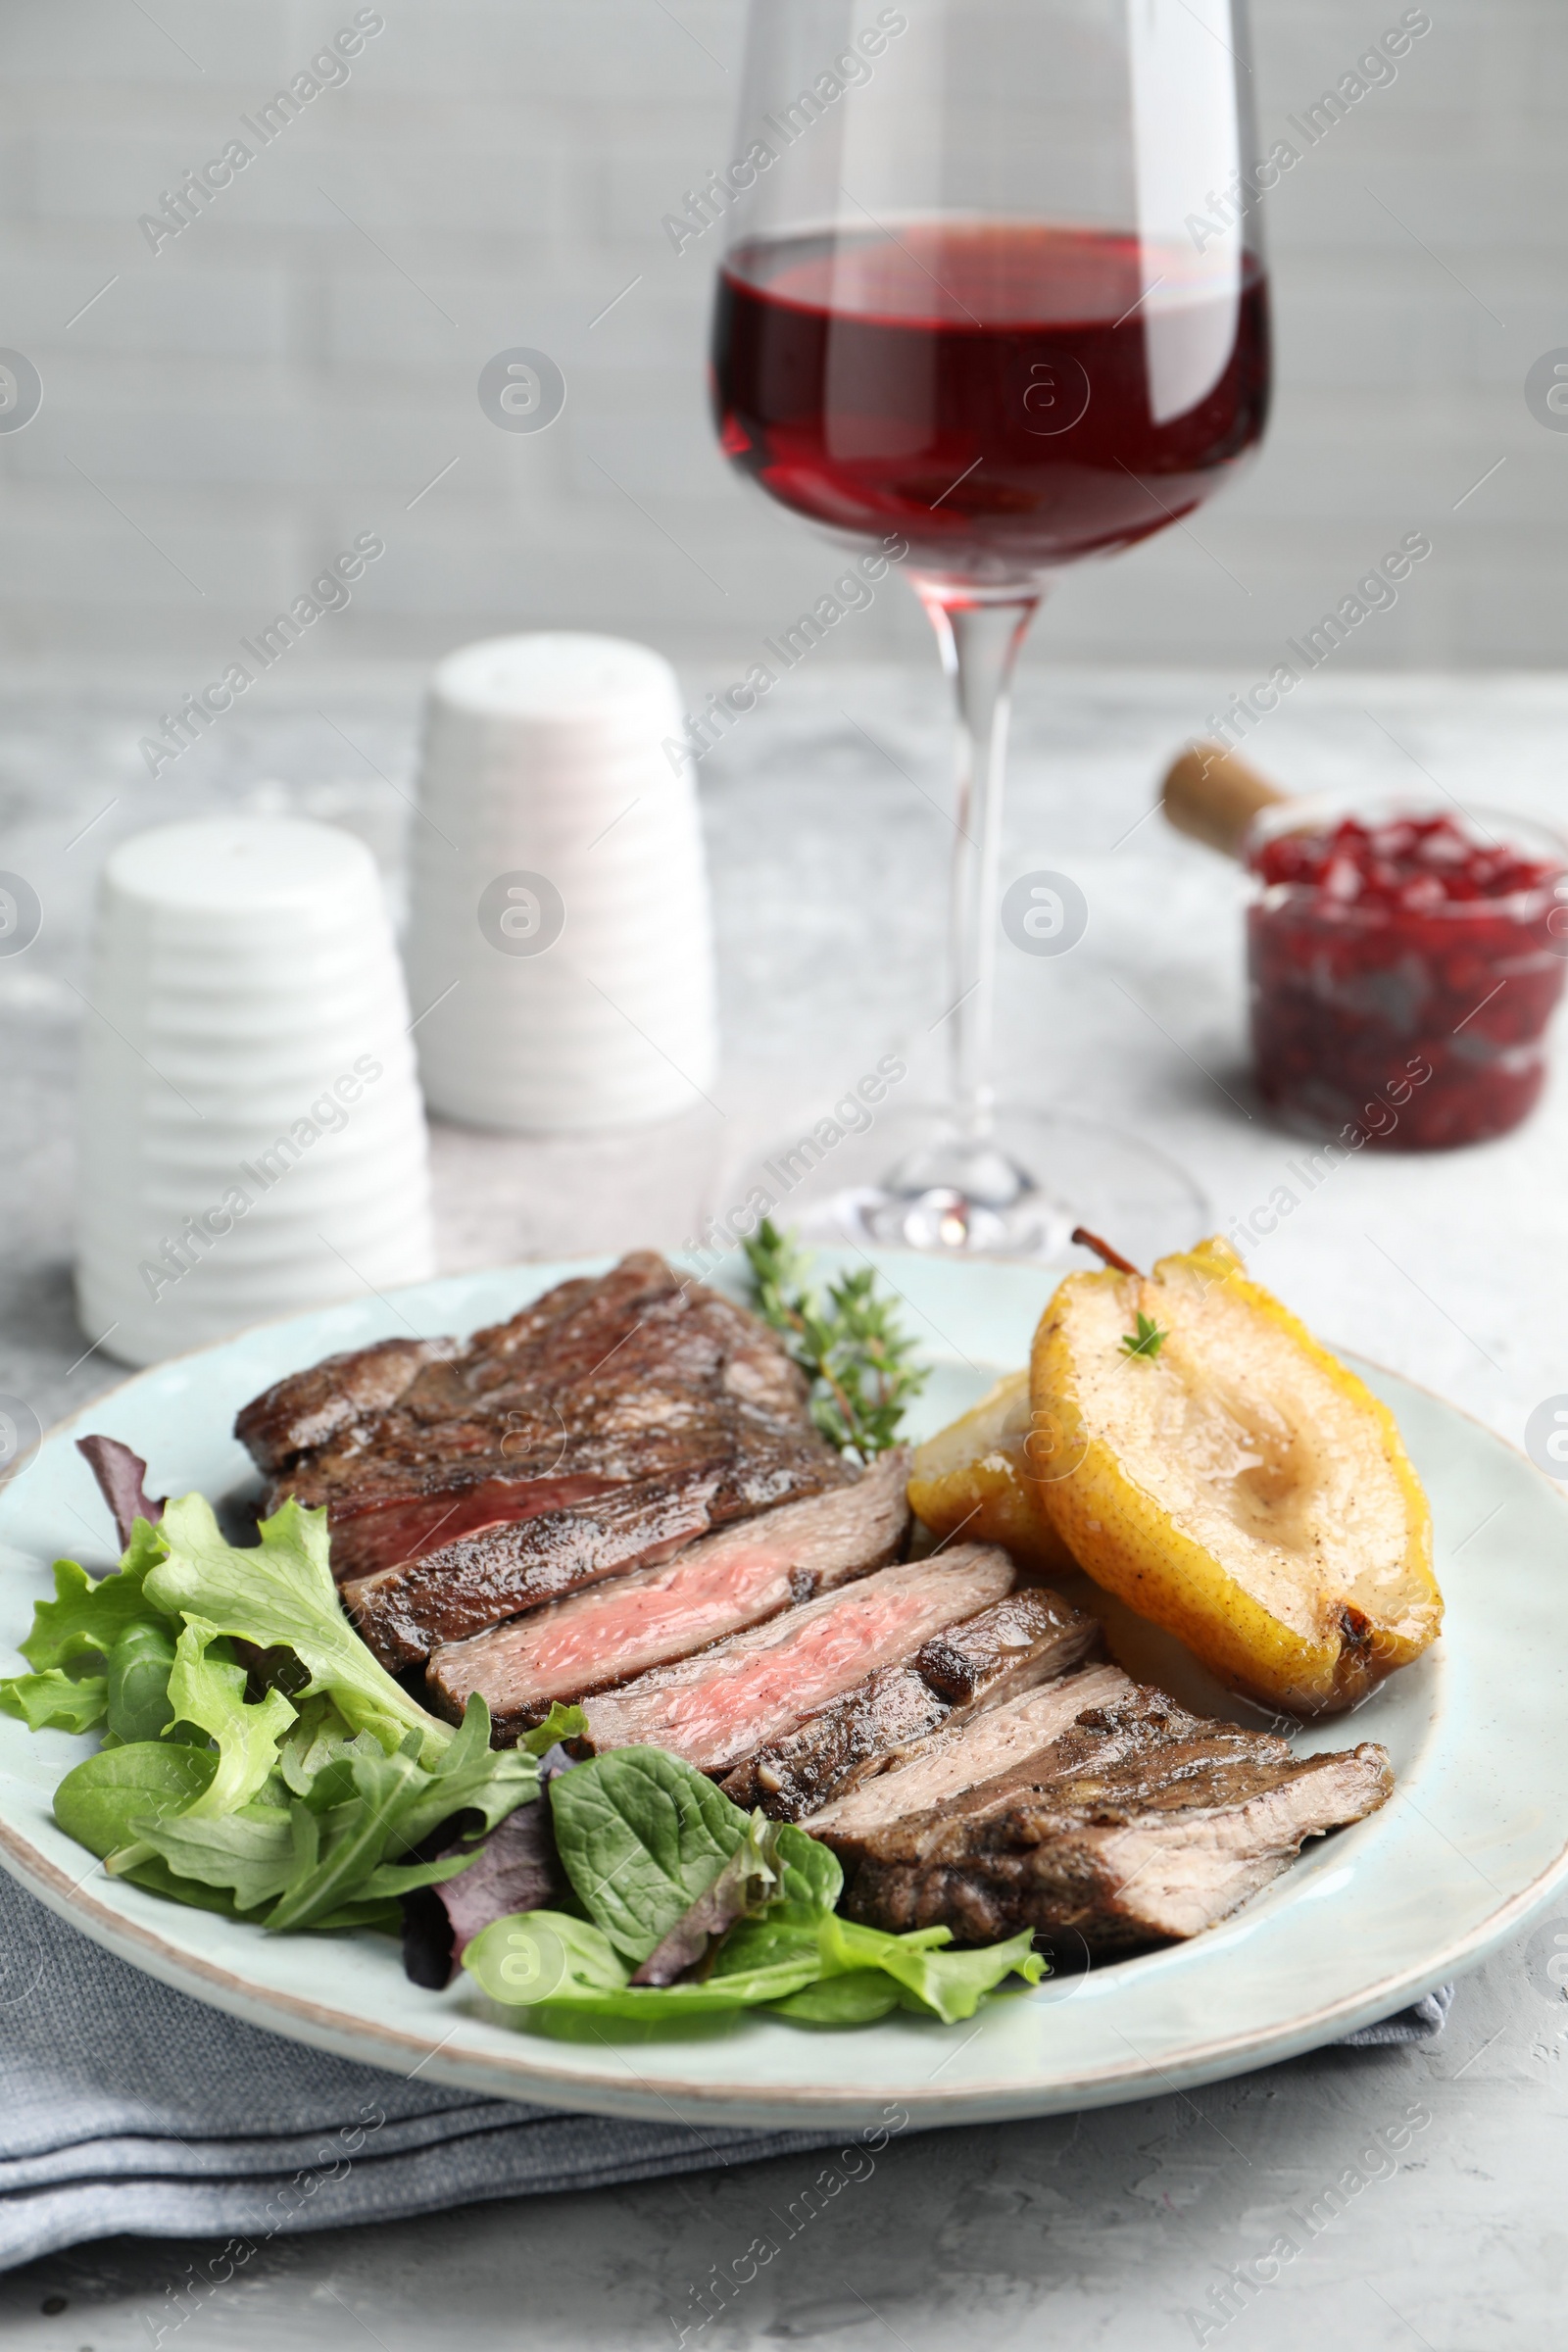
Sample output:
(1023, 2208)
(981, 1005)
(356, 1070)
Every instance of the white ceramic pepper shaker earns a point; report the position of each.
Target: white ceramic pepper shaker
(252, 1140)
(559, 947)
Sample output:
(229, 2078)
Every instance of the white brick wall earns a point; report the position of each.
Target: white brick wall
(278, 379)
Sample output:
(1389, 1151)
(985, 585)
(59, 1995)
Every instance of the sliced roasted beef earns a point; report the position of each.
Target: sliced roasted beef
(738, 1578)
(607, 1424)
(301, 1414)
(1024, 1641)
(988, 1750)
(403, 1613)
(1139, 1823)
(751, 1690)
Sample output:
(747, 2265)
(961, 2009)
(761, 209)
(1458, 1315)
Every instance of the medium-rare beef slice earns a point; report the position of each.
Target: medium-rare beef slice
(602, 1426)
(403, 1613)
(714, 1588)
(1143, 1825)
(752, 1689)
(1028, 1638)
(756, 1462)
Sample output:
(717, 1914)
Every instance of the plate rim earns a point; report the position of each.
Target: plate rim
(530, 2072)
(376, 2043)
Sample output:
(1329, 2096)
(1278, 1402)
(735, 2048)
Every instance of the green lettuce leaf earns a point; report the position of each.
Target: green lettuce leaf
(562, 1722)
(641, 1835)
(386, 1918)
(251, 1855)
(157, 1877)
(281, 1595)
(55, 1701)
(341, 1852)
(472, 1777)
(86, 1618)
(951, 1984)
(293, 1866)
(319, 1737)
(209, 1691)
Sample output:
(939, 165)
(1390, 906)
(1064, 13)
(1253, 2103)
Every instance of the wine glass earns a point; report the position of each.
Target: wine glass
(992, 294)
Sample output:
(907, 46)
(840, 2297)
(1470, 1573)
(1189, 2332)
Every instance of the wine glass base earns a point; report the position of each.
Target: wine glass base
(904, 1183)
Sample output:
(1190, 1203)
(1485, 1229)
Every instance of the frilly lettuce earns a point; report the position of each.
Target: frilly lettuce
(301, 1802)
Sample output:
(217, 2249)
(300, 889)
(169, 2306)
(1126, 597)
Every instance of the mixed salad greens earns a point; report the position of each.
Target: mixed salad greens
(694, 1906)
(256, 1760)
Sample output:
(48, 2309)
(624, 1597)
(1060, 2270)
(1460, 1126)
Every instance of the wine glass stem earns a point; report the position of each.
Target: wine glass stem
(979, 635)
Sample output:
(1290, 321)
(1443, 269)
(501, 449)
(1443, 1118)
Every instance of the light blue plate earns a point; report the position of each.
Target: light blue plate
(1470, 1847)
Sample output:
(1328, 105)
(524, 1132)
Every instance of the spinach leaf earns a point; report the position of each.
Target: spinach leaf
(641, 1835)
(547, 1960)
(919, 1972)
(56, 1701)
(139, 1667)
(668, 2004)
(537, 1955)
(812, 1879)
(281, 1594)
(794, 1951)
(100, 1802)
(747, 1884)
(768, 1942)
(857, 1999)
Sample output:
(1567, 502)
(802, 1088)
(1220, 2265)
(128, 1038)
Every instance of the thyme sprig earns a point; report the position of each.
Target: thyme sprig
(848, 1342)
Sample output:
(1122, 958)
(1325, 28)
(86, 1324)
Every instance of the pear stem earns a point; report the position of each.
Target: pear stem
(1102, 1249)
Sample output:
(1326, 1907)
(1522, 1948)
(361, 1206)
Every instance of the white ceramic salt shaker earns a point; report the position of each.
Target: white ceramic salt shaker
(560, 946)
(252, 1140)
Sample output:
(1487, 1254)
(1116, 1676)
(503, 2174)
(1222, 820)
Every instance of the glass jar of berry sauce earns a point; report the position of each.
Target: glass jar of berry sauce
(1403, 964)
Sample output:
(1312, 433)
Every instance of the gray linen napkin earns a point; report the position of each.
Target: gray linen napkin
(125, 2106)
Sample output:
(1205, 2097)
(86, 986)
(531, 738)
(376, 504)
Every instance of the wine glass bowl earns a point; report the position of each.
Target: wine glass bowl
(992, 296)
(985, 388)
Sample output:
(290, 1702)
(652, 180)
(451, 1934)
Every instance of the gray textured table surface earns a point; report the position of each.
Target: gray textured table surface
(828, 842)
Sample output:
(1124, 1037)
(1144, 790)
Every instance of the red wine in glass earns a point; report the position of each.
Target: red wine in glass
(991, 300)
(990, 390)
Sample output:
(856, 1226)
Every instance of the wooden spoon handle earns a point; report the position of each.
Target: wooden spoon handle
(1212, 795)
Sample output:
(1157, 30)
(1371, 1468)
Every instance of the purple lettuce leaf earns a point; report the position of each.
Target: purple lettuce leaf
(121, 1482)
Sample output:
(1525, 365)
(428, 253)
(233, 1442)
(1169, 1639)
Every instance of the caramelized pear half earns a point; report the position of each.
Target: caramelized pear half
(1233, 1482)
(977, 1475)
